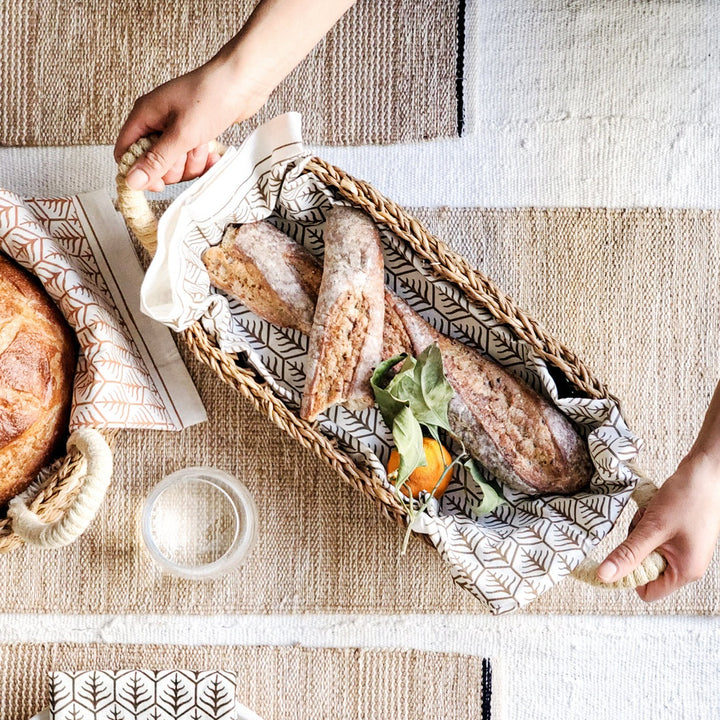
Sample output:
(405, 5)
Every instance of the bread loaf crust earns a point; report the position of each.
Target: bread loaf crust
(262, 267)
(286, 296)
(37, 364)
(347, 332)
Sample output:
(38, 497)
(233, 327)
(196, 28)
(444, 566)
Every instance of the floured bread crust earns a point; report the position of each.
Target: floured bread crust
(269, 273)
(279, 280)
(37, 364)
(347, 333)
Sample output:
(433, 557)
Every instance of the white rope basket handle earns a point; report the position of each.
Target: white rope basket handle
(134, 204)
(651, 567)
(75, 519)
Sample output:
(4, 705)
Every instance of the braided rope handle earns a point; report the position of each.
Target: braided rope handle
(134, 204)
(651, 567)
(94, 475)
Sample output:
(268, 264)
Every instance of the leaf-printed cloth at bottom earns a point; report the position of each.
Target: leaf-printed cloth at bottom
(145, 695)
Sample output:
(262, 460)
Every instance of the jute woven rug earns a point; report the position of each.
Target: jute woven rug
(631, 291)
(71, 71)
(278, 683)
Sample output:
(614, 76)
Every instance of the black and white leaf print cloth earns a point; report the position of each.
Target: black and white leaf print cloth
(507, 558)
(145, 695)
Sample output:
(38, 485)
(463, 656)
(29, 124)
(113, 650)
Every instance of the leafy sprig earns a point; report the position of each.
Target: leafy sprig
(413, 399)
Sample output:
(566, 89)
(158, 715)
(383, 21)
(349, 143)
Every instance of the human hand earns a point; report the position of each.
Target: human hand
(189, 112)
(681, 522)
(195, 108)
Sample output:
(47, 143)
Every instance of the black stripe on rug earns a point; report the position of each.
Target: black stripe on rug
(486, 690)
(460, 68)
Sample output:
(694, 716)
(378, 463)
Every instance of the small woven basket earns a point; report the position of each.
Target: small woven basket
(446, 265)
(60, 504)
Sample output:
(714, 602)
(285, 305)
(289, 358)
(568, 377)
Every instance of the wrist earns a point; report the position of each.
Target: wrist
(246, 90)
(705, 459)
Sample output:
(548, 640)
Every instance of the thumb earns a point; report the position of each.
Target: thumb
(149, 169)
(627, 556)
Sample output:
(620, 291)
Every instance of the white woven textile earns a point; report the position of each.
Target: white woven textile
(614, 103)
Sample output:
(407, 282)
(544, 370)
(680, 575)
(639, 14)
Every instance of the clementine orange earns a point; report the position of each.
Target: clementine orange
(426, 478)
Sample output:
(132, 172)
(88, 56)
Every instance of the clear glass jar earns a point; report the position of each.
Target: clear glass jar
(199, 523)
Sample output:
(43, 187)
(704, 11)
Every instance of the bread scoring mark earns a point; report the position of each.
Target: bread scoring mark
(15, 419)
(26, 370)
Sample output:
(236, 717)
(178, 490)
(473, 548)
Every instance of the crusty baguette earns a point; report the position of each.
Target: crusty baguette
(347, 332)
(520, 437)
(280, 280)
(276, 278)
(510, 429)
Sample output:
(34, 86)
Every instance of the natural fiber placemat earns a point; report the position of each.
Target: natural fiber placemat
(278, 683)
(71, 71)
(630, 291)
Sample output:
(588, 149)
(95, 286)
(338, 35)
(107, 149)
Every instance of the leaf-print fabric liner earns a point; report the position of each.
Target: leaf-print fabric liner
(122, 379)
(507, 558)
(145, 695)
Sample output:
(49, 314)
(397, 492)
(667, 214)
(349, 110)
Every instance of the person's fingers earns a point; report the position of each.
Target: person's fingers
(680, 571)
(157, 161)
(156, 186)
(134, 128)
(629, 554)
(636, 519)
(212, 158)
(667, 583)
(196, 162)
(175, 173)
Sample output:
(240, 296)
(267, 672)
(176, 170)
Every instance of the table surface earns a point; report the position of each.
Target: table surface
(516, 153)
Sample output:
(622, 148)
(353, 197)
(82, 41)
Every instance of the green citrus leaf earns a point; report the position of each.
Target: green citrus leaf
(389, 406)
(492, 497)
(408, 438)
(435, 391)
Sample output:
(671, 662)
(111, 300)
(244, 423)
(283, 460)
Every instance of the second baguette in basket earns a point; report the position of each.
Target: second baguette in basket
(347, 331)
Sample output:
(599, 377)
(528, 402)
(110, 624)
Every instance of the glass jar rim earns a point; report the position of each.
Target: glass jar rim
(245, 512)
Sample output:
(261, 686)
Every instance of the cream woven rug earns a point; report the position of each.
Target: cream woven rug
(71, 71)
(278, 683)
(628, 290)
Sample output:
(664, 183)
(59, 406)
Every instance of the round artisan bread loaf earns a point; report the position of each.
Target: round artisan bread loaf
(37, 363)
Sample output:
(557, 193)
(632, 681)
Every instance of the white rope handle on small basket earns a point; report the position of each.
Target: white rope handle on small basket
(134, 204)
(651, 567)
(75, 519)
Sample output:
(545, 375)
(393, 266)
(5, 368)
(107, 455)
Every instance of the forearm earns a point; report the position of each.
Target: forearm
(707, 443)
(276, 38)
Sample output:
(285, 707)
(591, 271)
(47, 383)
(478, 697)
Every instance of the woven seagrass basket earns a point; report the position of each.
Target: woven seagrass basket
(65, 497)
(446, 265)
